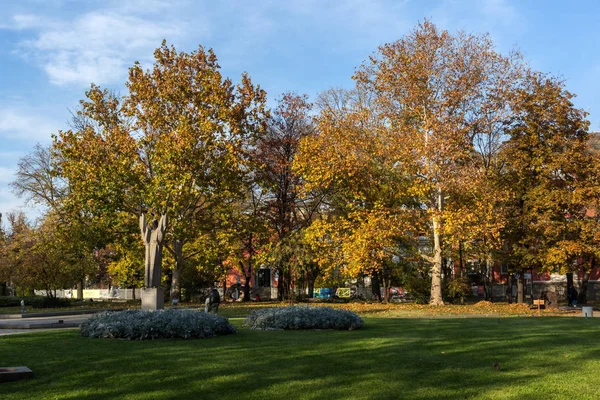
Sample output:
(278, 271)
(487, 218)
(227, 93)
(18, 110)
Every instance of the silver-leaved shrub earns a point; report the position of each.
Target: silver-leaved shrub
(163, 324)
(302, 317)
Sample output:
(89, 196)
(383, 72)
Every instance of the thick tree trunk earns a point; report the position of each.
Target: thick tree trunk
(385, 288)
(176, 272)
(375, 287)
(460, 258)
(487, 282)
(247, 288)
(520, 285)
(491, 269)
(281, 285)
(311, 287)
(569, 286)
(80, 290)
(436, 268)
(509, 289)
(176, 282)
(290, 287)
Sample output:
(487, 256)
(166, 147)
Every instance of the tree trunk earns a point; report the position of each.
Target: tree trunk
(460, 258)
(436, 268)
(488, 284)
(509, 288)
(80, 290)
(491, 269)
(289, 286)
(375, 287)
(248, 278)
(520, 285)
(569, 286)
(280, 284)
(176, 282)
(133, 293)
(385, 288)
(176, 272)
(311, 287)
(247, 288)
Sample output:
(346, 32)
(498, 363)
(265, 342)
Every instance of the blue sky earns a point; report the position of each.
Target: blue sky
(50, 50)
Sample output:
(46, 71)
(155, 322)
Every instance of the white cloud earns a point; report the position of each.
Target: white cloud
(25, 125)
(97, 46)
(27, 21)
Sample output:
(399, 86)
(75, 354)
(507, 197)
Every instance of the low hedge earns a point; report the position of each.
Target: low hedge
(148, 325)
(35, 301)
(303, 317)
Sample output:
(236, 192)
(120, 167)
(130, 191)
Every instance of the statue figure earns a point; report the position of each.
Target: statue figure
(153, 239)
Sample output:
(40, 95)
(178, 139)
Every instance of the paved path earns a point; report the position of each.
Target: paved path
(25, 325)
(6, 332)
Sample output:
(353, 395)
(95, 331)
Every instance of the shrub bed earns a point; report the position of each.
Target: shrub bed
(148, 325)
(302, 317)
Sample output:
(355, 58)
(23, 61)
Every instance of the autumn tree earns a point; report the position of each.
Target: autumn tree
(38, 181)
(177, 141)
(286, 208)
(15, 242)
(124, 257)
(368, 215)
(551, 181)
(245, 235)
(435, 93)
(4, 262)
(46, 257)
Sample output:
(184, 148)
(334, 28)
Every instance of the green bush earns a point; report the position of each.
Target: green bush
(301, 317)
(457, 287)
(148, 325)
(10, 301)
(35, 301)
(48, 302)
(419, 288)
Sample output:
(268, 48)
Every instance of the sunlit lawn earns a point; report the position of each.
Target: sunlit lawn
(389, 358)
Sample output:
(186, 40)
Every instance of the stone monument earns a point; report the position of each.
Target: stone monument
(153, 294)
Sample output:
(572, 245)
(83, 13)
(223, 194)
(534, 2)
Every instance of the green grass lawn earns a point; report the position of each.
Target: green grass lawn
(389, 358)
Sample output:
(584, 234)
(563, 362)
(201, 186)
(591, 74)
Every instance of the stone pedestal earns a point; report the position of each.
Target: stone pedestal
(153, 299)
(8, 374)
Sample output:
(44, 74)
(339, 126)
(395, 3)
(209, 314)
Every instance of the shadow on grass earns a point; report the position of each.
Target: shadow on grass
(387, 359)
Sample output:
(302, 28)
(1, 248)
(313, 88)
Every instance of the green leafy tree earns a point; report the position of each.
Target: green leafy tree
(550, 180)
(177, 142)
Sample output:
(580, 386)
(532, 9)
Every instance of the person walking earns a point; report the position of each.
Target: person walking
(213, 300)
(572, 296)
